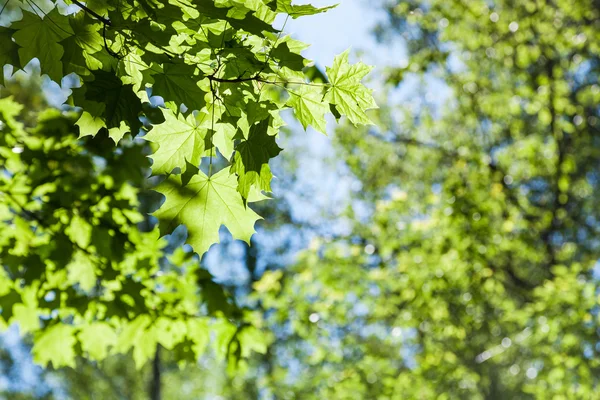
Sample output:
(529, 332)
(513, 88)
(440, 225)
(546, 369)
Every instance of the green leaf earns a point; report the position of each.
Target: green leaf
(288, 58)
(9, 298)
(131, 332)
(223, 138)
(252, 340)
(224, 333)
(139, 335)
(251, 159)
(113, 102)
(8, 50)
(170, 332)
(81, 270)
(96, 338)
(180, 140)
(177, 85)
(80, 231)
(80, 48)
(203, 205)
(198, 332)
(347, 93)
(309, 109)
(38, 38)
(26, 315)
(55, 345)
(295, 11)
(89, 125)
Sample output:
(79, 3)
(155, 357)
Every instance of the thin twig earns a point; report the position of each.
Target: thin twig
(212, 128)
(108, 49)
(93, 13)
(45, 16)
(275, 43)
(3, 7)
(234, 80)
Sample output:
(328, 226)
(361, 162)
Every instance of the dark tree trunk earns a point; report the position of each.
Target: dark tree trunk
(155, 384)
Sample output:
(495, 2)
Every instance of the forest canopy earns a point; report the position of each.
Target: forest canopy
(71, 249)
(462, 262)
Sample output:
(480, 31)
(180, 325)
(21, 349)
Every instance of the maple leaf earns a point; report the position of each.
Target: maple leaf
(82, 271)
(55, 345)
(39, 39)
(140, 335)
(347, 93)
(289, 57)
(203, 205)
(80, 48)
(89, 125)
(114, 103)
(8, 50)
(295, 11)
(180, 139)
(309, 109)
(176, 86)
(96, 338)
(198, 333)
(251, 159)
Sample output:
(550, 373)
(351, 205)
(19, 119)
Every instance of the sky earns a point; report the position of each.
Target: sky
(332, 32)
(349, 25)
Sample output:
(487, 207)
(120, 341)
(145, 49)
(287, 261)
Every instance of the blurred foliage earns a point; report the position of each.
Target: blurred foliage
(83, 269)
(469, 270)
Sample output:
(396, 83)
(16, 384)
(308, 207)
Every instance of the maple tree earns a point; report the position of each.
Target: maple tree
(78, 273)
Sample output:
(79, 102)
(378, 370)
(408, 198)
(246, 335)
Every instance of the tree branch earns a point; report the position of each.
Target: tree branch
(93, 13)
(235, 80)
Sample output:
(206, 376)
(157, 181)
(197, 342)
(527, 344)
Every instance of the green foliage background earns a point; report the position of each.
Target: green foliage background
(469, 268)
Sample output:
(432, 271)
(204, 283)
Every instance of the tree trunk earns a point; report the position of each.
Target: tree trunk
(155, 384)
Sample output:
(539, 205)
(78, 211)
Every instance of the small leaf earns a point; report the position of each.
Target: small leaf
(81, 270)
(252, 340)
(251, 159)
(287, 58)
(8, 50)
(347, 93)
(89, 125)
(96, 338)
(170, 332)
(55, 345)
(295, 11)
(198, 332)
(80, 231)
